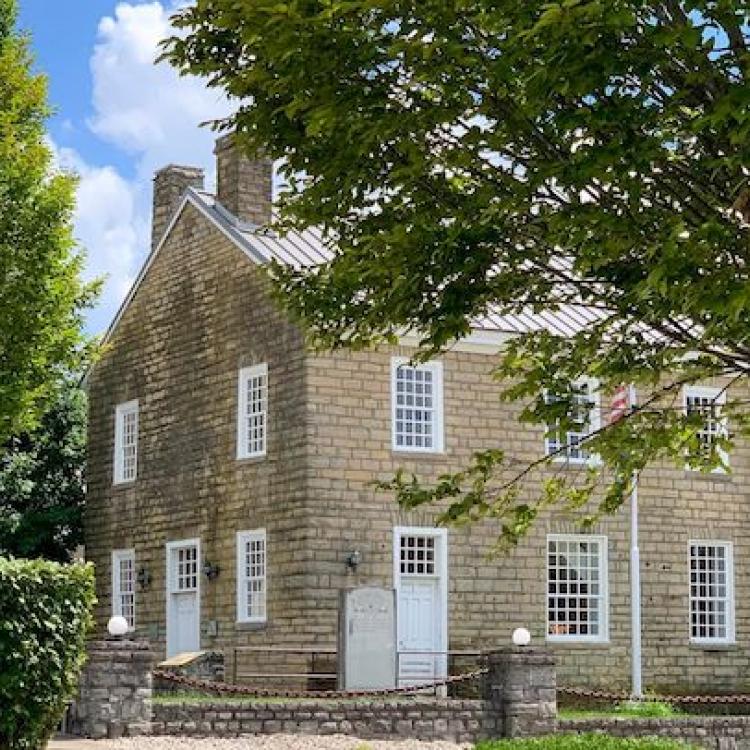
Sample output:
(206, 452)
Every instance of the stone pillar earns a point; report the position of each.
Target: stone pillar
(244, 186)
(520, 691)
(170, 184)
(114, 692)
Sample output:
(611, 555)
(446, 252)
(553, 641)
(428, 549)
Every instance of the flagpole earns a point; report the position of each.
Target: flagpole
(635, 582)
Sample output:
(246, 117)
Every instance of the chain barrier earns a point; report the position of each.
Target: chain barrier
(224, 688)
(737, 699)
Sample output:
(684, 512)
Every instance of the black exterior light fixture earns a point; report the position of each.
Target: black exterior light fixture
(353, 559)
(211, 570)
(144, 578)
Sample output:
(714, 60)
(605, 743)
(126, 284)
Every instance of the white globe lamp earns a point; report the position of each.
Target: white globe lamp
(117, 626)
(521, 637)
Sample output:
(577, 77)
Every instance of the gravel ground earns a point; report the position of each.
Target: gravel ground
(274, 742)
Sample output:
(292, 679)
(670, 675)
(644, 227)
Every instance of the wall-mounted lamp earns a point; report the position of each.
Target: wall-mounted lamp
(144, 578)
(211, 570)
(353, 559)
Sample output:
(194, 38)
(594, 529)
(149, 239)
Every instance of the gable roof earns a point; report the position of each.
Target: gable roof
(308, 249)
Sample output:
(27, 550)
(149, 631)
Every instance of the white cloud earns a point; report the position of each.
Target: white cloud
(109, 226)
(151, 114)
(144, 108)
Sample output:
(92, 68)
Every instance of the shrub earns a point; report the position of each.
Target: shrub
(45, 614)
(583, 742)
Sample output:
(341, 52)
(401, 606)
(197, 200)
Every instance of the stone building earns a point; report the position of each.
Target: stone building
(230, 479)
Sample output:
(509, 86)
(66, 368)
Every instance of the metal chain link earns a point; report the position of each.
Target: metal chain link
(740, 698)
(224, 688)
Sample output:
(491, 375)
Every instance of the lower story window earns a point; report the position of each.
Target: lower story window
(711, 592)
(251, 576)
(576, 588)
(123, 584)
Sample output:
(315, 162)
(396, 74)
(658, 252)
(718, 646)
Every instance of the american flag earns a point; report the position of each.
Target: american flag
(620, 403)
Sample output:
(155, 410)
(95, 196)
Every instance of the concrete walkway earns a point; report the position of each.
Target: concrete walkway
(73, 744)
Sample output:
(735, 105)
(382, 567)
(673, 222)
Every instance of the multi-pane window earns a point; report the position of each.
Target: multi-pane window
(123, 584)
(576, 587)
(569, 444)
(417, 406)
(417, 554)
(126, 442)
(186, 569)
(251, 576)
(708, 402)
(252, 423)
(711, 592)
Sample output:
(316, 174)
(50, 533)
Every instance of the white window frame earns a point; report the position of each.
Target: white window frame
(245, 374)
(121, 412)
(118, 556)
(730, 637)
(603, 635)
(243, 537)
(436, 368)
(720, 397)
(594, 424)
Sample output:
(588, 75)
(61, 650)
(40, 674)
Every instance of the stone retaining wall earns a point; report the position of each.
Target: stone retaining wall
(709, 732)
(456, 720)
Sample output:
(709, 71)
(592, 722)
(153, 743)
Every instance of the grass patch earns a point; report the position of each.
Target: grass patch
(583, 742)
(628, 710)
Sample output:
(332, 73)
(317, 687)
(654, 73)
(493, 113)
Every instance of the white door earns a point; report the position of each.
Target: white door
(420, 565)
(183, 597)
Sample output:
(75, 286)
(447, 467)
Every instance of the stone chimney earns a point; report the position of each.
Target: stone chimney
(170, 184)
(244, 185)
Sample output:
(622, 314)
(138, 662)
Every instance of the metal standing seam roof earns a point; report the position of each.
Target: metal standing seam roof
(308, 249)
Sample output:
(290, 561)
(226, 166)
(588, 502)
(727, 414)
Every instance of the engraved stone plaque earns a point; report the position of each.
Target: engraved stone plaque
(367, 639)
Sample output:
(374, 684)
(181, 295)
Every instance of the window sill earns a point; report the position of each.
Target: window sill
(124, 485)
(250, 626)
(577, 644)
(705, 646)
(429, 455)
(244, 460)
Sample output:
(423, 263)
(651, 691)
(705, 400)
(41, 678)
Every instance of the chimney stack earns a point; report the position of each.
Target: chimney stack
(170, 184)
(244, 185)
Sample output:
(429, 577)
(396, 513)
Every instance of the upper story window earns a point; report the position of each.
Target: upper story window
(569, 445)
(251, 576)
(577, 597)
(417, 406)
(708, 402)
(711, 592)
(126, 442)
(123, 584)
(252, 412)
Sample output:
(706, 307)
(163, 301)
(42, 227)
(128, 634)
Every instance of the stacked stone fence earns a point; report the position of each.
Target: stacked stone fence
(707, 732)
(405, 718)
(517, 688)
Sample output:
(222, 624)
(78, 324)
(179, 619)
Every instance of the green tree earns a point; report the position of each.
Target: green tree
(479, 156)
(41, 294)
(42, 485)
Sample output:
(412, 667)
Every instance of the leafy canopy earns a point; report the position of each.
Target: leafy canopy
(494, 155)
(42, 483)
(41, 294)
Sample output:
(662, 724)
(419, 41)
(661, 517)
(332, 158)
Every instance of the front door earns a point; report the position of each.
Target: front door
(183, 597)
(420, 573)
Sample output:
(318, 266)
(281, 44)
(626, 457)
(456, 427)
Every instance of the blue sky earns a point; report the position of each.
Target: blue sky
(118, 118)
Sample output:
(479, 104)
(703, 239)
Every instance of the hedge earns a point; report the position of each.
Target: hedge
(583, 742)
(45, 614)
